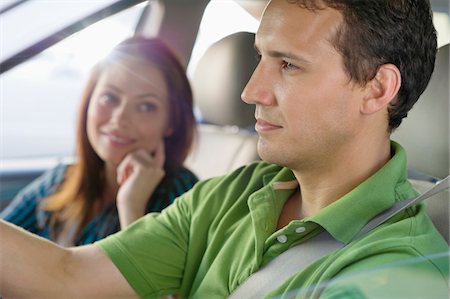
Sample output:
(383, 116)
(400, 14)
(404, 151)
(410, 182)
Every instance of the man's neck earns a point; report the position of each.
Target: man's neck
(321, 187)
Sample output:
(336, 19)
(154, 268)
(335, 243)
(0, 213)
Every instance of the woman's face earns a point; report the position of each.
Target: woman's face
(128, 110)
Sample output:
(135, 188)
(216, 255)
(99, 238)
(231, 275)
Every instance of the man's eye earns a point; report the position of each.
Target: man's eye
(147, 107)
(288, 66)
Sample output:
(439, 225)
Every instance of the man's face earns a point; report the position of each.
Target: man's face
(307, 109)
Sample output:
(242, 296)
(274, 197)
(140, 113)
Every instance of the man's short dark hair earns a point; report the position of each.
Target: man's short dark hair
(377, 32)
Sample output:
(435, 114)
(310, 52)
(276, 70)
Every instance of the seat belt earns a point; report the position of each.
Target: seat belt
(296, 258)
(278, 270)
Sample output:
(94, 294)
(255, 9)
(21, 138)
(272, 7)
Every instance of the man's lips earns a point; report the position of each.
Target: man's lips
(265, 126)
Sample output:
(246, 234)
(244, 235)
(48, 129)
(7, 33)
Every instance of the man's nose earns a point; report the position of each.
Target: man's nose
(259, 88)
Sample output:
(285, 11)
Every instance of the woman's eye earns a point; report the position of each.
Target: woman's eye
(258, 57)
(147, 107)
(109, 99)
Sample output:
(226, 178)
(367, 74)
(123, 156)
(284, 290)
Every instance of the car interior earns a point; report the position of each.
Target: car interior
(425, 136)
(227, 122)
(226, 138)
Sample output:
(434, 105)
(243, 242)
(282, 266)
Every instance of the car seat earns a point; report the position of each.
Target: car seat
(226, 137)
(425, 136)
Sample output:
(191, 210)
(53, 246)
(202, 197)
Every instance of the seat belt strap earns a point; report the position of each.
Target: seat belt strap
(297, 258)
(402, 205)
(279, 269)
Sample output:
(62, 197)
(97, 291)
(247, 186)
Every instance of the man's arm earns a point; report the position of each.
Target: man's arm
(32, 267)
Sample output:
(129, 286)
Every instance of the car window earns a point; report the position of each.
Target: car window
(39, 98)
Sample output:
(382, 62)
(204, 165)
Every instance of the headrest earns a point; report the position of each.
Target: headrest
(425, 132)
(220, 77)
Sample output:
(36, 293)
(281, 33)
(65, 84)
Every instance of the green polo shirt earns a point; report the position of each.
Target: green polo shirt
(224, 229)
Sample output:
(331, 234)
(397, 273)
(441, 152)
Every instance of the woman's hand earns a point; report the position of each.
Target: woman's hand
(138, 175)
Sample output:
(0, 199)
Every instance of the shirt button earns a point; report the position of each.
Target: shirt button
(282, 238)
(300, 230)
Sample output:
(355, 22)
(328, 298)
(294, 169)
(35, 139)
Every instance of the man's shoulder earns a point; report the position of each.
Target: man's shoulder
(406, 250)
(410, 278)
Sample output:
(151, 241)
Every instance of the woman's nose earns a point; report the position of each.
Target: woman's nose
(121, 115)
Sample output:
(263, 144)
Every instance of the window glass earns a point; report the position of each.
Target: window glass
(42, 18)
(39, 99)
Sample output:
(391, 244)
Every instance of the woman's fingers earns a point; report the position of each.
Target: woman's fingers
(138, 175)
(124, 169)
(141, 161)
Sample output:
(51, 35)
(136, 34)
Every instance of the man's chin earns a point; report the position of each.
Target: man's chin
(268, 154)
(272, 155)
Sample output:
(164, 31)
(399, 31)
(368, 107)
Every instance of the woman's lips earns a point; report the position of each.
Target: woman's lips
(265, 126)
(117, 140)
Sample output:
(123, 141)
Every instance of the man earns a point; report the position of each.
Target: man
(335, 78)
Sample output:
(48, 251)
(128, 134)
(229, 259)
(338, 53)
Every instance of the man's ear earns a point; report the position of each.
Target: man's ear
(382, 89)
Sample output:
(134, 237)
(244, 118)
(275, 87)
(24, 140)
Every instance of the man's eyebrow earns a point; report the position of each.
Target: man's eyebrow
(281, 54)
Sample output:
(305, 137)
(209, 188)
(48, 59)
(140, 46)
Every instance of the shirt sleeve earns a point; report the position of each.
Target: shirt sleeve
(151, 253)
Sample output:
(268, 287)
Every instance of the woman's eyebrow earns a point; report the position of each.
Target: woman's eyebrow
(150, 95)
(140, 96)
(115, 88)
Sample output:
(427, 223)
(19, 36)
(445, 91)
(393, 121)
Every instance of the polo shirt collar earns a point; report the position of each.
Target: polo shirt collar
(359, 206)
(282, 179)
(346, 216)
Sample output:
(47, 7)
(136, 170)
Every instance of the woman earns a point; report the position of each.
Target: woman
(135, 129)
